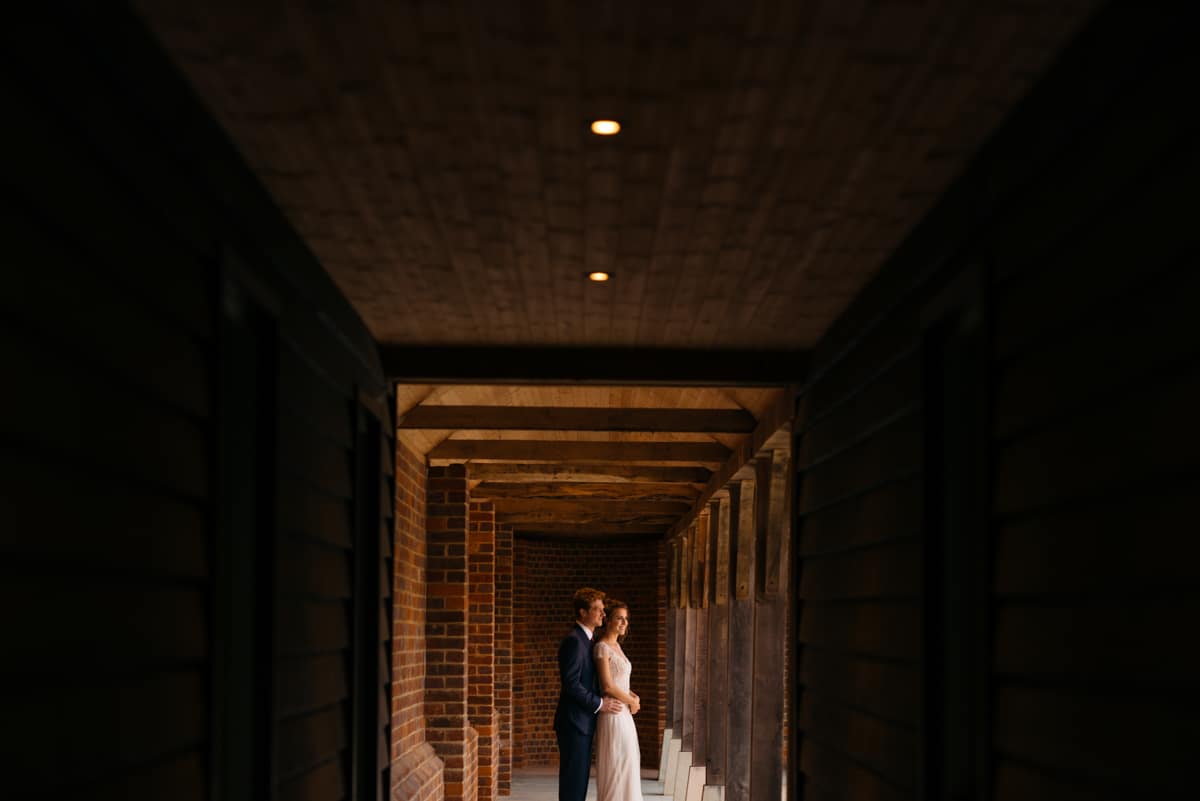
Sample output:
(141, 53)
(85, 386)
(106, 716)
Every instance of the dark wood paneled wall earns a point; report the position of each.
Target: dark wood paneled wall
(1069, 251)
(183, 488)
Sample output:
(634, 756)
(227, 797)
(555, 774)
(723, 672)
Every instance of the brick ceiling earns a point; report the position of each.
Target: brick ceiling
(436, 158)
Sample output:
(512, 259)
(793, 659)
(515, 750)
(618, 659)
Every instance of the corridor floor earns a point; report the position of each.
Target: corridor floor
(541, 784)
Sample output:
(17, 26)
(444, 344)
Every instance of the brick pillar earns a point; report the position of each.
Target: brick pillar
(504, 652)
(447, 725)
(481, 649)
(416, 768)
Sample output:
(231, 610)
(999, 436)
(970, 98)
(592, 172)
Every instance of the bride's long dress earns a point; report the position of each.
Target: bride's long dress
(618, 759)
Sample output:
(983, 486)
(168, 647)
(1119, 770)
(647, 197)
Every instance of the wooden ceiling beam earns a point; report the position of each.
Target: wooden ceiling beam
(620, 366)
(596, 491)
(567, 418)
(508, 450)
(517, 472)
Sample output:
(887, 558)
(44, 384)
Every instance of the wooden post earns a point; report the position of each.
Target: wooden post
(741, 642)
(680, 637)
(718, 646)
(690, 667)
(672, 613)
(770, 638)
(702, 582)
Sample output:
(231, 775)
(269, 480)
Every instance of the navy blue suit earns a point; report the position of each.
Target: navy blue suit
(575, 717)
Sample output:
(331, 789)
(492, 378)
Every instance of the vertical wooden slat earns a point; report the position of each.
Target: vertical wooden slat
(689, 639)
(766, 769)
(671, 616)
(721, 585)
(685, 567)
(778, 525)
(679, 634)
(746, 549)
(701, 581)
(690, 669)
(366, 680)
(741, 644)
(704, 579)
(718, 647)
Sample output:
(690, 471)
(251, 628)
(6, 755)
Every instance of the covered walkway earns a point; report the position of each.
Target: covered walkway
(317, 409)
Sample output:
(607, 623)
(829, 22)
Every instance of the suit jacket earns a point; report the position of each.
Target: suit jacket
(580, 696)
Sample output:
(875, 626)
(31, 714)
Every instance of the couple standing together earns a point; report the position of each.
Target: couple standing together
(596, 702)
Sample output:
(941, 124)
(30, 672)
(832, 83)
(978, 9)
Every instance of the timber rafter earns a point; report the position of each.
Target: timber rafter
(507, 450)
(519, 472)
(549, 418)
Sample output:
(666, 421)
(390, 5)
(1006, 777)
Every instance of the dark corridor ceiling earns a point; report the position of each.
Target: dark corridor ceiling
(436, 158)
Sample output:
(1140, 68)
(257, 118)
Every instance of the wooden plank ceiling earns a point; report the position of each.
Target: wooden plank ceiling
(435, 156)
(572, 461)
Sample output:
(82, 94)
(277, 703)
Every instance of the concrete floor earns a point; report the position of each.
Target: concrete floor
(541, 784)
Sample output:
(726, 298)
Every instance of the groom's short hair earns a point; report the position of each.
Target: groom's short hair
(584, 598)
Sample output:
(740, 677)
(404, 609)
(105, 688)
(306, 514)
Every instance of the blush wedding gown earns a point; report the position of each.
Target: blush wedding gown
(618, 759)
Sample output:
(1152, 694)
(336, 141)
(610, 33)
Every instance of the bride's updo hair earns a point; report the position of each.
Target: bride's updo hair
(611, 605)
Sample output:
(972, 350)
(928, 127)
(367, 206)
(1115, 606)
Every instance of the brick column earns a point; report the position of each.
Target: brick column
(504, 652)
(416, 768)
(447, 726)
(481, 647)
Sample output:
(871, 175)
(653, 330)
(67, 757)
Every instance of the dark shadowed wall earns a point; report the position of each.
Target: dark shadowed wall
(997, 457)
(194, 461)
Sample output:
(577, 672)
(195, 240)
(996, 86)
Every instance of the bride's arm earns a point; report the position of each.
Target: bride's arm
(608, 687)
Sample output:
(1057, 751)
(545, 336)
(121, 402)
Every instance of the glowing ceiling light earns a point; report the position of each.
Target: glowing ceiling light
(598, 276)
(606, 127)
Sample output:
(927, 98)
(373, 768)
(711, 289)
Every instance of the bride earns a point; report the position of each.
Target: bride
(618, 760)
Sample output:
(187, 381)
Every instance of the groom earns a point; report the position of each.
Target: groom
(580, 700)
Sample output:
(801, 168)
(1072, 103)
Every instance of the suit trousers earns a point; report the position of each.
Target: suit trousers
(574, 764)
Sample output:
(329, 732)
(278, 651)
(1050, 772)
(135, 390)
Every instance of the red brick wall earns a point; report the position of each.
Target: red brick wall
(416, 770)
(447, 725)
(546, 574)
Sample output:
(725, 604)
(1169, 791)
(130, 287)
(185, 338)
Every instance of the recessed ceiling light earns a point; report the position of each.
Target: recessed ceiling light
(606, 127)
(598, 276)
